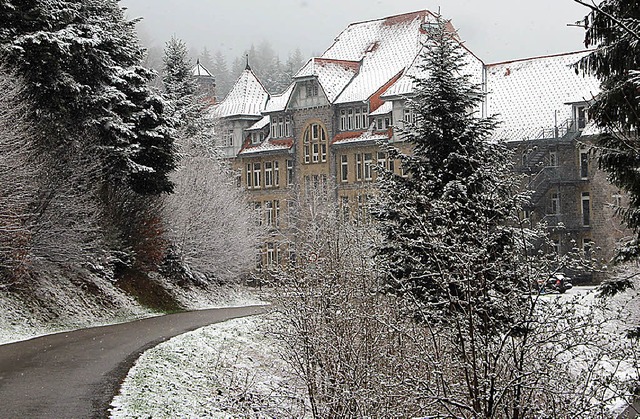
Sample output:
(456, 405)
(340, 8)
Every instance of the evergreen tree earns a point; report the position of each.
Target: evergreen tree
(176, 72)
(81, 64)
(206, 59)
(452, 246)
(447, 241)
(613, 27)
(220, 70)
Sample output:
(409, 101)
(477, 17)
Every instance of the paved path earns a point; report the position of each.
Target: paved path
(77, 374)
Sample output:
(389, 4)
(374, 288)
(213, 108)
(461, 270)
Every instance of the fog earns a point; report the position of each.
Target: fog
(495, 30)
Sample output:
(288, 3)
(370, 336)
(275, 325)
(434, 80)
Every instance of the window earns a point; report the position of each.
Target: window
(358, 167)
(555, 247)
(581, 116)
(555, 203)
(249, 176)
(408, 116)
(553, 159)
(271, 254)
(315, 144)
(383, 123)
(280, 131)
(257, 183)
(344, 168)
(358, 119)
(586, 209)
(287, 126)
(343, 120)
(311, 88)
(289, 172)
(349, 119)
(276, 173)
(367, 166)
(258, 210)
(268, 174)
(227, 141)
(365, 118)
(268, 213)
(584, 164)
(276, 213)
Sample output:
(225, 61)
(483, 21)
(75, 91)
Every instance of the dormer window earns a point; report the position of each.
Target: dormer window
(280, 126)
(311, 88)
(353, 118)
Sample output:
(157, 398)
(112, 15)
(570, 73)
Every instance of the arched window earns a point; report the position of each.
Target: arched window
(315, 144)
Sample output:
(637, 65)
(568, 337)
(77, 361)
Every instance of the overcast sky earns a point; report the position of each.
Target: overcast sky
(495, 30)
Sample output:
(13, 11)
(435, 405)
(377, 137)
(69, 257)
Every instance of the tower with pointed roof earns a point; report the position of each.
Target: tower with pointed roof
(238, 111)
(205, 80)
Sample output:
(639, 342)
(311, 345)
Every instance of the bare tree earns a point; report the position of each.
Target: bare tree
(208, 220)
(17, 171)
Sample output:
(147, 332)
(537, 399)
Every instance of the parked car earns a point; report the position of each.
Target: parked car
(557, 282)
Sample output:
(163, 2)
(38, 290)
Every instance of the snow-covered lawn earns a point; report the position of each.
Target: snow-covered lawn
(227, 370)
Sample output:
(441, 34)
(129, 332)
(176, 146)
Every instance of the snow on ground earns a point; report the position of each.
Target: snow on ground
(226, 370)
(19, 323)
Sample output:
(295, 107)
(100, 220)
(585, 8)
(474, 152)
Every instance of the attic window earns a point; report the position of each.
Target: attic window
(312, 88)
(372, 46)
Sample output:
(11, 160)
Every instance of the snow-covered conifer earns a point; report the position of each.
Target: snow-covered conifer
(613, 28)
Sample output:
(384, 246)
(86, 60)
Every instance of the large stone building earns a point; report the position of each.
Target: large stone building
(324, 129)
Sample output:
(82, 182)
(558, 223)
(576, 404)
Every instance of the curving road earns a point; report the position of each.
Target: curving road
(77, 374)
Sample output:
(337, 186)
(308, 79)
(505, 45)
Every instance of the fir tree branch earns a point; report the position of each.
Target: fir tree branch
(618, 22)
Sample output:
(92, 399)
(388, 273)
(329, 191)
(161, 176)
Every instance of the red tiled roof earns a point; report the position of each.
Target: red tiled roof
(346, 135)
(346, 64)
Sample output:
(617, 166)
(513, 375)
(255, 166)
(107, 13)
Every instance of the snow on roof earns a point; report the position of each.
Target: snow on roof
(332, 74)
(247, 97)
(259, 125)
(384, 109)
(406, 86)
(278, 103)
(534, 94)
(384, 46)
(268, 145)
(200, 70)
(357, 137)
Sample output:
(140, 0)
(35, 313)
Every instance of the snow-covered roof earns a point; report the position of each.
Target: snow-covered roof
(384, 109)
(406, 85)
(200, 70)
(247, 97)
(358, 137)
(259, 125)
(278, 103)
(384, 46)
(268, 145)
(332, 74)
(534, 94)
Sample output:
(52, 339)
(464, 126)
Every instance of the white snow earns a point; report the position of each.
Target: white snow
(227, 370)
(533, 94)
(247, 97)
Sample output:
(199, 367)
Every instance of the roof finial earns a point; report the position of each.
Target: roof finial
(198, 61)
(248, 67)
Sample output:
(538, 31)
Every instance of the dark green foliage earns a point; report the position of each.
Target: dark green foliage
(614, 30)
(447, 240)
(81, 64)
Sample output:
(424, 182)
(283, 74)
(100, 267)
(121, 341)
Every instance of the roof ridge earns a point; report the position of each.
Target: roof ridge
(538, 57)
